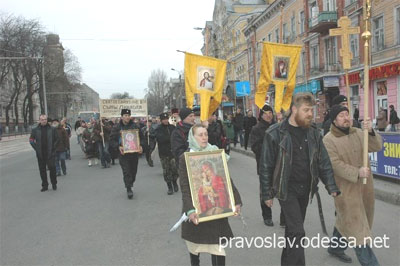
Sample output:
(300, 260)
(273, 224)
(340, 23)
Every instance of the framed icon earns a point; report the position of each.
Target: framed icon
(205, 78)
(210, 185)
(130, 140)
(281, 67)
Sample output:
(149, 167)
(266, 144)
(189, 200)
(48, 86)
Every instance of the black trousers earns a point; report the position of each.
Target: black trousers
(246, 138)
(294, 208)
(129, 163)
(51, 164)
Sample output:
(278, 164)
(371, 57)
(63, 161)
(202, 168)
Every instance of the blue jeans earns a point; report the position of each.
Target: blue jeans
(240, 134)
(60, 158)
(364, 254)
(393, 128)
(103, 152)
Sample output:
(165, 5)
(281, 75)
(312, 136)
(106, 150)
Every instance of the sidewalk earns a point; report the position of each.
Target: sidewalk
(14, 137)
(384, 190)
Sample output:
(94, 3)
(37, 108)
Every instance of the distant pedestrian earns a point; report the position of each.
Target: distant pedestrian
(179, 137)
(77, 125)
(394, 119)
(113, 148)
(61, 148)
(381, 120)
(355, 206)
(238, 127)
(163, 137)
(79, 134)
(103, 142)
(215, 131)
(228, 127)
(128, 161)
(248, 123)
(43, 140)
(68, 128)
(356, 114)
(89, 138)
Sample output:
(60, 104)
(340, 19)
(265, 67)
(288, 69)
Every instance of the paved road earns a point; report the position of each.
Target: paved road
(89, 220)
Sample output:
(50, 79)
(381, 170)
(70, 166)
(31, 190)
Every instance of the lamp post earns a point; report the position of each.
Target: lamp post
(180, 88)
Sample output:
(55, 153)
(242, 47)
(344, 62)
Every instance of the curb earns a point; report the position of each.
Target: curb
(380, 194)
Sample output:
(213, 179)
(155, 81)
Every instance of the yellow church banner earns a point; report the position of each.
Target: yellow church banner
(204, 76)
(278, 66)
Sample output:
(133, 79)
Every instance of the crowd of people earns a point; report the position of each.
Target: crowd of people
(292, 156)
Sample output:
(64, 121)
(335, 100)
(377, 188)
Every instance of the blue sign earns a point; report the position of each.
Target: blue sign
(242, 88)
(386, 162)
(313, 87)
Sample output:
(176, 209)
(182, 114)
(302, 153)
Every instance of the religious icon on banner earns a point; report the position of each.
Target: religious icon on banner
(281, 67)
(205, 78)
(130, 140)
(210, 185)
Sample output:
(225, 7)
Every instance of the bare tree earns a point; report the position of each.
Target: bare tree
(118, 95)
(157, 91)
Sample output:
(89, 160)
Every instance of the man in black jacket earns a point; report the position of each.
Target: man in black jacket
(266, 119)
(179, 137)
(44, 141)
(163, 137)
(237, 122)
(293, 157)
(128, 161)
(248, 123)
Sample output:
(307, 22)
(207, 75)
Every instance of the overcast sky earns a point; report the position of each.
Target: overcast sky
(118, 44)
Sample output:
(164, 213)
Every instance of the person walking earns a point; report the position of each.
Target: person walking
(103, 142)
(163, 138)
(79, 133)
(179, 137)
(43, 140)
(61, 148)
(265, 120)
(248, 123)
(293, 157)
(355, 206)
(394, 119)
(228, 128)
(67, 128)
(77, 125)
(203, 237)
(381, 120)
(238, 127)
(128, 161)
(89, 138)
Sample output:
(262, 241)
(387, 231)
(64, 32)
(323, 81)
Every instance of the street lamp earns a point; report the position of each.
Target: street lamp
(180, 87)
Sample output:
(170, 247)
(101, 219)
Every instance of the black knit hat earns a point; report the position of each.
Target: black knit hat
(174, 110)
(164, 116)
(185, 112)
(265, 108)
(339, 99)
(336, 109)
(125, 112)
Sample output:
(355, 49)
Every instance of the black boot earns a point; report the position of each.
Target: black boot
(129, 192)
(194, 260)
(170, 191)
(176, 187)
(217, 260)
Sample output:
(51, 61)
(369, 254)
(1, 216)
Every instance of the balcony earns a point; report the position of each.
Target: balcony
(323, 21)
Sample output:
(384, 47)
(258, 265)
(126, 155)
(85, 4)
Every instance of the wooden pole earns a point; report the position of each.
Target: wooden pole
(366, 36)
(348, 91)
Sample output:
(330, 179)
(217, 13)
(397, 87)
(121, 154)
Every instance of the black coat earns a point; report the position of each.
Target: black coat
(393, 120)
(249, 122)
(276, 160)
(115, 136)
(257, 137)
(237, 122)
(163, 137)
(179, 140)
(36, 141)
(215, 134)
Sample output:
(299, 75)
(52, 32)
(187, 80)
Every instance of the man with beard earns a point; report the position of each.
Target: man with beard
(355, 207)
(44, 140)
(293, 157)
(163, 137)
(179, 137)
(128, 161)
(248, 123)
(266, 119)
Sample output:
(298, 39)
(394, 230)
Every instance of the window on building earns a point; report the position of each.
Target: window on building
(349, 2)
(285, 33)
(302, 21)
(354, 90)
(329, 5)
(270, 37)
(303, 63)
(314, 57)
(277, 35)
(354, 40)
(293, 26)
(398, 24)
(330, 48)
(378, 34)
